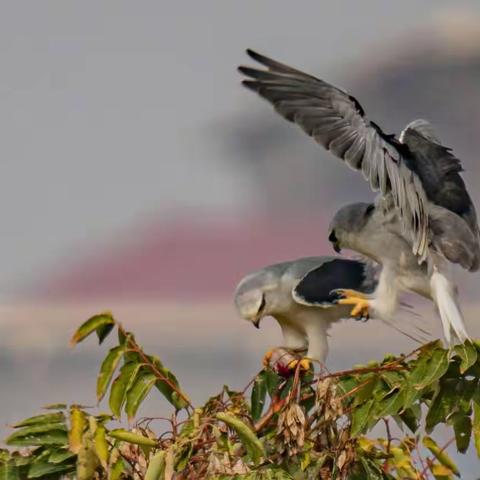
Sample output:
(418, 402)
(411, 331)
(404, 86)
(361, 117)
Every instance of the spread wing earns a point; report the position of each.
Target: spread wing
(337, 121)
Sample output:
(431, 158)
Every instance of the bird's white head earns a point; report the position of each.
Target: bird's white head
(251, 297)
(348, 226)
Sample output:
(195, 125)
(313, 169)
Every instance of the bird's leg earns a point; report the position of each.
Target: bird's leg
(360, 302)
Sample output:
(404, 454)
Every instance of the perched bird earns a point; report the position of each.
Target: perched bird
(423, 218)
(301, 296)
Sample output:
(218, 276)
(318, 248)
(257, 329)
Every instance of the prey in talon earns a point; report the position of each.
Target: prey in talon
(299, 294)
(285, 362)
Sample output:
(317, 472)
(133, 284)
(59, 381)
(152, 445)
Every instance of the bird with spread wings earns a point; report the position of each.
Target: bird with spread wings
(422, 220)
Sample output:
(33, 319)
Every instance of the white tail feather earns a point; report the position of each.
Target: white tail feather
(443, 292)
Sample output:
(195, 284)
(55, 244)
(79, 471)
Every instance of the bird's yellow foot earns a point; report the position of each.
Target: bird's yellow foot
(359, 300)
(304, 364)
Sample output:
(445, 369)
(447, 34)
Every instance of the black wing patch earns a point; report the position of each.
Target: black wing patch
(316, 286)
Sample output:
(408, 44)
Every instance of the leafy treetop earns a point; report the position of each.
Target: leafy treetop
(302, 425)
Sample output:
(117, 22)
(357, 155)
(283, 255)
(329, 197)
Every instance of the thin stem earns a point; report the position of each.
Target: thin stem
(429, 460)
(135, 348)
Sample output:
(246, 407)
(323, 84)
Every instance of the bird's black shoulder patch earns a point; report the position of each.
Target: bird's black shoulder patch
(316, 286)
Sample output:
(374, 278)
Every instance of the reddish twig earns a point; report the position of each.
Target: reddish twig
(137, 349)
(430, 460)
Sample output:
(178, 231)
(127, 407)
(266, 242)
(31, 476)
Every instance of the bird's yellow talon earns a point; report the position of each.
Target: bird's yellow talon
(347, 293)
(304, 364)
(360, 309)
(359, 301)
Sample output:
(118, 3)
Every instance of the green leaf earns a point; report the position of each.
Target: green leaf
(166, 389)
(103, 332)
(156, 466)
(369, 382)
(135, 396)
(54, 437)
(107, 370)
(371, 470)
(411, 417)
(130, 437)
(443, 404)
(259, 392)
(117, 469)
(92, 325)
(390, 405)
(393, 379)
(287, 387)
(467, 388)
(248, 438)
(183, 456)
(9, 472)
(59, 456)
(101, 445)
(476, 423)
(78, 423)
(347, 384)
(430, 369)
(440, 454)
(166, 386)
(34, 430)
(360, 418)
(468, 354)
(121, 385)
(87, 460)
(272, 380)
(411, 394)
(55, 406)
(41, 470)
(41, 419)
(462, 426)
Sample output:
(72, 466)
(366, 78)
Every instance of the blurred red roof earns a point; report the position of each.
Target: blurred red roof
(185, 259)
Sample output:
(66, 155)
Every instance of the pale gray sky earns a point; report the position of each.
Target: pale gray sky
(108, 107)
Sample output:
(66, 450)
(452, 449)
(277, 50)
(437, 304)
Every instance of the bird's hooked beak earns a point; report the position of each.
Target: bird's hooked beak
(261, 308)
(334, 241)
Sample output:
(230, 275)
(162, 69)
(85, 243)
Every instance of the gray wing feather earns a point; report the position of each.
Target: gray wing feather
(453, 238)
(336, 121)
(437, 167)
(439, 171)
(423, 127)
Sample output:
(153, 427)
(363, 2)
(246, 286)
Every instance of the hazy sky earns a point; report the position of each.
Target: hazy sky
(110, 110)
